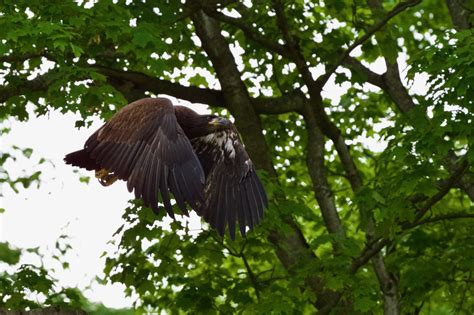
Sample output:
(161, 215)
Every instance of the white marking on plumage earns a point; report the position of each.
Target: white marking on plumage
(223, 140)
(229, 147)
(208, 138)
(248, 164)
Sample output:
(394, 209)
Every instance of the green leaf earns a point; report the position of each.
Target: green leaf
(9, 255)
(378, 197)
(198, 80)
(76, 50)
(84, 179)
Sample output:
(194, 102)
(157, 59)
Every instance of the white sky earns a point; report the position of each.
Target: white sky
(89, 214)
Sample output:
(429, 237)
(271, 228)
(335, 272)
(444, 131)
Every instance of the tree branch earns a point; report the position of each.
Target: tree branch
(145, 82)
(291, 247)
(135, 82)
(460, 14)
(443, 190)
(316, 111)
(368, 253)
(252, 278)
(251, 34)
(372, 77)
(388, 285)
(287, 103)
(444, 217)
(314, 89)
(466, 182)
(392, 83)
(133, 86)
(20, 58)
(402, 6)
(37, 84)
(375, 247)
(294, 52)
(317, 171)
(399, 94)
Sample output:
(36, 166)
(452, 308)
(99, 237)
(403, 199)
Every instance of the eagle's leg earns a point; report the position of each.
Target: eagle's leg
(105, 177)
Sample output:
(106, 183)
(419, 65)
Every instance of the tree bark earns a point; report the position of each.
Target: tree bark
(388, 285)
(461, 12)
(291, 248)
(317, 171)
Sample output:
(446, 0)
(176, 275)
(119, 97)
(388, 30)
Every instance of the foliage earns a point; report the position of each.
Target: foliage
(25, 179)
(32, 286)
(351, 227)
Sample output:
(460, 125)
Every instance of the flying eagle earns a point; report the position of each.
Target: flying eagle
(158, 148)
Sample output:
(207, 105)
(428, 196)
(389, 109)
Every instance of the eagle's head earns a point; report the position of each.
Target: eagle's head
(195, 125)
(204, 125)
(216, 123)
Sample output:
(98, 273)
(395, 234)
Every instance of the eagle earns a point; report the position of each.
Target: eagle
(160, 149)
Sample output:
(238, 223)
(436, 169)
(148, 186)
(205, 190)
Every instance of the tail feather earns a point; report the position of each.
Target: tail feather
(82, 159)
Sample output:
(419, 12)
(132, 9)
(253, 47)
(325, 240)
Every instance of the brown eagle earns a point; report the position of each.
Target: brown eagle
(158, 149)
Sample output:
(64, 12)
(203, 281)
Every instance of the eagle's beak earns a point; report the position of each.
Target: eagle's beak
(219, 121)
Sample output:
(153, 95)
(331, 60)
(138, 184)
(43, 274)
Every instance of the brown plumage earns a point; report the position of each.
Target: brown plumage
(158, 148)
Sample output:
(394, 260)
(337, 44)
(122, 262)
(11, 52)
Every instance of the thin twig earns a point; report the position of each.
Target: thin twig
(443, 217)
(367, 253)
(251, 275)
(249, 32)
(450, 183)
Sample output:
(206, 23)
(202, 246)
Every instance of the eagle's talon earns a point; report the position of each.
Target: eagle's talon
(105, 177)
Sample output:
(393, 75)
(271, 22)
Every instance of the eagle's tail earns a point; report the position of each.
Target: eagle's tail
(82, 159)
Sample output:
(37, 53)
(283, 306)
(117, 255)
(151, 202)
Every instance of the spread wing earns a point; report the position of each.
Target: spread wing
(233, 190)
(144, 145)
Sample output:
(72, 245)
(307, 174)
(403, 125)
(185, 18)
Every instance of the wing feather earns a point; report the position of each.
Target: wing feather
(220, 218)
(164, 191)
(257, 199)
(187, 194)
(153, 184)
(144, 145)
(231, 210)
(261, 190)
(233, 191)
(101, 151)
(123, 164)
(212, 196)
(157, 181)
(249, 216)
(120, 153)
(240, 210)
(146, 179)
(177, 192)
(139, 175)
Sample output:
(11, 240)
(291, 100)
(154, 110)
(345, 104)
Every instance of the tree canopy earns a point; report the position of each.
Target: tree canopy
(351, 227)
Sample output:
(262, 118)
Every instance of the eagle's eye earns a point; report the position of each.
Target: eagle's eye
(218, 121)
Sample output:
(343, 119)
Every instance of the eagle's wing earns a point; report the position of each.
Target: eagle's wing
(233, 190)
(144, 145)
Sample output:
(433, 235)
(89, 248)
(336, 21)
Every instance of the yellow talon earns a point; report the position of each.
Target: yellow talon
(105, 177)
(101, 173)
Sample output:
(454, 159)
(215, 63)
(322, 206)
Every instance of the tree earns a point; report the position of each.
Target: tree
(350, 228)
